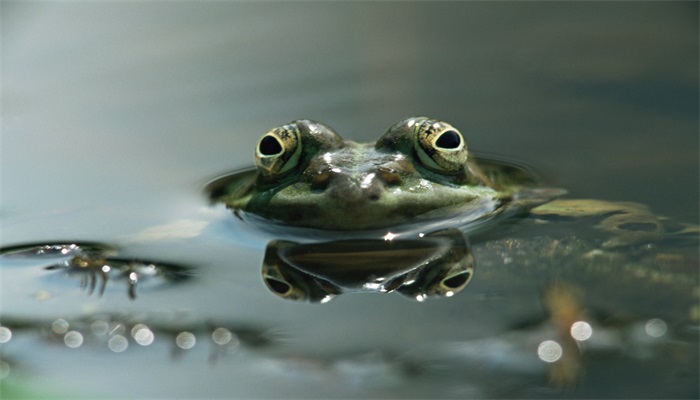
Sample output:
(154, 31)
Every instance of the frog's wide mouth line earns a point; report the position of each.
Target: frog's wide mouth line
(522, 172)
(318, 212)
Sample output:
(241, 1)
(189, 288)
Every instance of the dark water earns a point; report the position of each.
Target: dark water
(116, 115)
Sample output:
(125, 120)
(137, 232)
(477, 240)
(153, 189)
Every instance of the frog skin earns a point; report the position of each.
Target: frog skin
(419, 170)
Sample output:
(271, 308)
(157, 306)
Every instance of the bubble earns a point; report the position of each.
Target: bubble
(549, 351)
(656, 327)
(581, 330)
(60, 326)
(5, 334)
(118, 343)
(73, 339)
(185, 340)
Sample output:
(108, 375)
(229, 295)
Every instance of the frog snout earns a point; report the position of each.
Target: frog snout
(355, 189)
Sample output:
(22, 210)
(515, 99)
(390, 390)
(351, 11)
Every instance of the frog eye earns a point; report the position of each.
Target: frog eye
(440, 147)
(278, 150)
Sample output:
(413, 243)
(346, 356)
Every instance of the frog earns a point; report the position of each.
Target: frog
(419, 174)
(417, 181)
(418, 171)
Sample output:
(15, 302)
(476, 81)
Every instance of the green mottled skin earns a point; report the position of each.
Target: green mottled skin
(369, 186)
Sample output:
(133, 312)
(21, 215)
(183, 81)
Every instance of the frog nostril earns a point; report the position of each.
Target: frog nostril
(389, 177)
(320, 181)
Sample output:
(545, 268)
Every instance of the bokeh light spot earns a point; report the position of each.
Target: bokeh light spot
(4, 369)
(142, 334)
(221, 336)
(5, 334)
(73, 339)
(581, 330)
(549, 351)
(656, 327)
(118, 343)
(185, 340)
(60, 326)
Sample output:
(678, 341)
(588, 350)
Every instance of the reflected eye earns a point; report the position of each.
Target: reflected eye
(457, 281)
(278, 150)
(440, 147)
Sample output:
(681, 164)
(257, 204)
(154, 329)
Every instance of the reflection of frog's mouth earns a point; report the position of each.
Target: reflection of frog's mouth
(436, 265)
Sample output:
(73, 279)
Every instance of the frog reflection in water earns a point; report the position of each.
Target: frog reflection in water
(417, 178)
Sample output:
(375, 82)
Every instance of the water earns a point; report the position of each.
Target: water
(116, 115)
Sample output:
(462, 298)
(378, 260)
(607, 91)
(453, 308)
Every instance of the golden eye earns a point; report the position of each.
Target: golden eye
(440, 147)
(278, 150)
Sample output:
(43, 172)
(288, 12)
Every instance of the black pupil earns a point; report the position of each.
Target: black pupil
(448, 140)
(269, 146)
(279, 287)
(456, 281)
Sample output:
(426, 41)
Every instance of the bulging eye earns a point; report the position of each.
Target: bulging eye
(440, 147)
(278, 150)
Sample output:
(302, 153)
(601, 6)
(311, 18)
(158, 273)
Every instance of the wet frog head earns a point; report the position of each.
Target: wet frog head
(418, 170)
